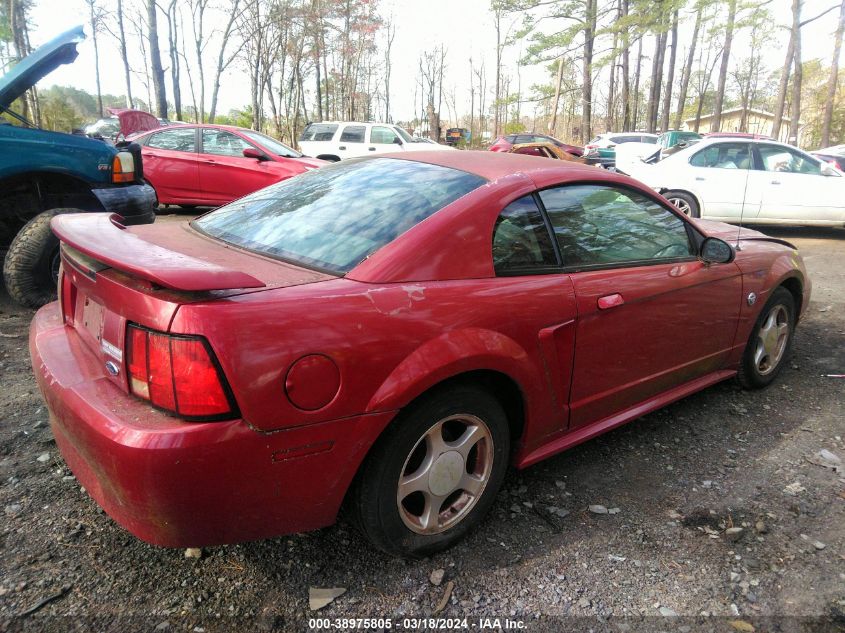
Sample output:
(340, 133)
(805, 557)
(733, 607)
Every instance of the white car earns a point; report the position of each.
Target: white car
(335, 140)
(612, 139)
(745, 180)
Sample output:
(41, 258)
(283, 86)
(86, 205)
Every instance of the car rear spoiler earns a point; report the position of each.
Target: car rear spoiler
(102, 237)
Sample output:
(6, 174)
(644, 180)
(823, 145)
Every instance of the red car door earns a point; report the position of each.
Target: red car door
(226, 174)
(170, 164)
(651, 315)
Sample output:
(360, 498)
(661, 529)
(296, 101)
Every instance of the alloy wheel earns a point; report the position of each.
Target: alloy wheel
(445, 474)
(682, 205)
(771, 340)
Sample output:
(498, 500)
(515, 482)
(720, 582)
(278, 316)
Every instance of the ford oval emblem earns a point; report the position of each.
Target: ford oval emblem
(112, 368)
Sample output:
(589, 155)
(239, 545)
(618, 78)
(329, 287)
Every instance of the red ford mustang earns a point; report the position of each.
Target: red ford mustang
(210, 165)
(392, 332)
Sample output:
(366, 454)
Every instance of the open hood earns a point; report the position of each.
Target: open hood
(26, 73)
(134, 121)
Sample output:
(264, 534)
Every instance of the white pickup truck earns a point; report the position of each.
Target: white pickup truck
(334, 140)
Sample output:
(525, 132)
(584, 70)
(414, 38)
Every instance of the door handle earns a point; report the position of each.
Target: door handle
(700, 178)
(342, 147)
(210, 162)
(372, 149)
(610, 301)
(776, 182)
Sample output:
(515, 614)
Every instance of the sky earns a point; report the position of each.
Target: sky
(464, 27)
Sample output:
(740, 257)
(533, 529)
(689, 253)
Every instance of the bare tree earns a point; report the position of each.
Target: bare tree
(685, 77)
(173, 47)
(390, 34)
(833, 78)
(123, 54)
(670, 78)
(155, 60)
(224, 58)
(723, 68)
(95, 17)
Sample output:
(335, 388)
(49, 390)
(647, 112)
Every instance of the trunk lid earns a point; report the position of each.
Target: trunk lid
(113, 275)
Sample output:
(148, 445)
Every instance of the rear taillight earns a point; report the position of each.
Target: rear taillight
(67, 296)
(177, 373)
(587, 148)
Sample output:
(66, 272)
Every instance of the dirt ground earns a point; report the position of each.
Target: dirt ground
(543, 560)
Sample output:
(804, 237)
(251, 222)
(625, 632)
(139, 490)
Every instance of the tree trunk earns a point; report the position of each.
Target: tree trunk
(780, 101)
(587, 86)
(833, 79)
(553, 122)
(223, 62)
(611, 87)
(155, 61)
(656, 81)
(685, 79)
(626, 70)
(123, 55)
(797, 75)
(94, 29)
(723, 68)
(635, 112)
(670, 78)
(173, 45)
(497, 103)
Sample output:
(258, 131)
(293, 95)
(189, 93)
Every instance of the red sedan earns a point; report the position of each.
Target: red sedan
(210, 165)
(390, 331)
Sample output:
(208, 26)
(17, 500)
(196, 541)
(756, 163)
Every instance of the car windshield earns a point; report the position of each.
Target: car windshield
(334, 217)
(276, 147)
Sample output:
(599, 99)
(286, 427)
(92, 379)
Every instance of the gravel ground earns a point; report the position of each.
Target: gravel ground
(673, 484)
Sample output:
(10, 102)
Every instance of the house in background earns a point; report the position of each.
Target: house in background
(747, 120)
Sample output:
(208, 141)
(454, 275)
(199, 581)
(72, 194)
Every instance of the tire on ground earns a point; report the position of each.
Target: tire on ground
(689, 199)
(373, 501)
(29, 263)
(749, 375)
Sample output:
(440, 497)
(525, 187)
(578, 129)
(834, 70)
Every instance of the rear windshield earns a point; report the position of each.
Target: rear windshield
(318, 132)
(334, 217)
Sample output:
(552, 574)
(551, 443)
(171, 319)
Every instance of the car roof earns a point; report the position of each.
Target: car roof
(495, 165)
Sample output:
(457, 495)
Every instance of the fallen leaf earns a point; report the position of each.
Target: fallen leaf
(319, 597)
(742, 625)
(447, 593)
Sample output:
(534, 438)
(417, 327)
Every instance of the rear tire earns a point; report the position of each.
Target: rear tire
(434, 473)
(684, 202)
(31, 266)
(770, 341)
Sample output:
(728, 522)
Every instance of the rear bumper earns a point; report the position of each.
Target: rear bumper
(135, 203)
(181, 484)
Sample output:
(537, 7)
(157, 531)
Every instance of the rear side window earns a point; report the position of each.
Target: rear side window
(318, 132)
(521, 241)
(723, 156)
(177, 140)
(782, 159)
(222, 143)
(352, 134)
(334, 217)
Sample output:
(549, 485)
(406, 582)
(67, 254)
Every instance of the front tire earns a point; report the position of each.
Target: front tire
(684, 202)
(769, 343)
(434, 473)
(31, 266)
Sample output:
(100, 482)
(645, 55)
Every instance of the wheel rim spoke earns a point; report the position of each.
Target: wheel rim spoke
(450, 477)
(772, 339)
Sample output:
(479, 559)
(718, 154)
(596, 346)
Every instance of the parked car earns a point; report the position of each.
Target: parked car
(123, 122)
(334, 141)
(834, 156)
(392, 333)
(545, 150)
(504, 143)
(675, 140)
(210, 165)
(43, 174)
(601, 150)
(748, 180)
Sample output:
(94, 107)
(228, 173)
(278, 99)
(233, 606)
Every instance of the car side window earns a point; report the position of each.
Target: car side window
(352, 134)
(723, 156)
(600, 225)
(521, 241)
(176, 140)
(380, 134)
(782, 159)
(318, 132)
(222, 143)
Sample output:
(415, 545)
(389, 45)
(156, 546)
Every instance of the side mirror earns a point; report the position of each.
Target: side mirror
(397, 140)
(827, 170)
(716, 251)
(251, 152)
